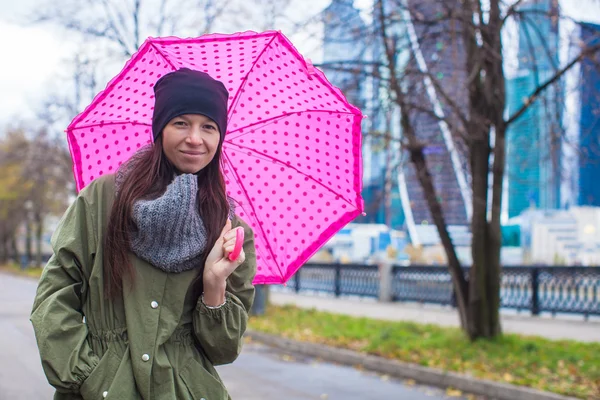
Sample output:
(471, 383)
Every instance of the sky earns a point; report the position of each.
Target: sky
(37, 54)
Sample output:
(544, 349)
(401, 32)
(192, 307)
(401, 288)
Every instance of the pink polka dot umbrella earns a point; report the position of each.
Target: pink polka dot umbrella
(292, 151)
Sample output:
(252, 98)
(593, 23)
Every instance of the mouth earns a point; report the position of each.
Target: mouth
(193, 153)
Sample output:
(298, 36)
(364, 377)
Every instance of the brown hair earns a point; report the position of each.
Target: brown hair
(147, 179)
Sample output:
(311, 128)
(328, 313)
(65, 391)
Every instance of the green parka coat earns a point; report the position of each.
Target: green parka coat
(154, 343)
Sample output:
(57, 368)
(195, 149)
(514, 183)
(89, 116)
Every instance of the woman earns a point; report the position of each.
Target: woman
(140, 299)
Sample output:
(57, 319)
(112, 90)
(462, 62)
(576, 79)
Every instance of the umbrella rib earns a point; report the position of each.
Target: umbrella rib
(109, 123)
(163, 56)
(254, 211)
(291, 167)
(264, 121)
(235, 98)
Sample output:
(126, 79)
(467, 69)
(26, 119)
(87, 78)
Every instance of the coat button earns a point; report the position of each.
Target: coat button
(154, 304)
(104, 394)
(145, 357)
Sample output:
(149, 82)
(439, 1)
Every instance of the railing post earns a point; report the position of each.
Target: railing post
(535, 298)
(453, 297)
(297, 281)
(338, 280)
(261, 298)
(385, 281)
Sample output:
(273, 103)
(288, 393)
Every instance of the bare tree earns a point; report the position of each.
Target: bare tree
(113, 30)
(461, 89)
(125, 24)
(48, 168)
(13, 192)
(36, 183)
(481, 124)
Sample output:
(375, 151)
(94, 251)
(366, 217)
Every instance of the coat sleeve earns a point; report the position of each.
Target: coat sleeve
(57, 318)
(219, 331)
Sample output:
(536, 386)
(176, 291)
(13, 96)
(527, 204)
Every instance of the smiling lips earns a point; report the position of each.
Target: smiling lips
(193, 153)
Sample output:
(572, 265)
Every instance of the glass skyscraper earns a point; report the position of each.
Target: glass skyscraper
(534, 140)
(589, 122)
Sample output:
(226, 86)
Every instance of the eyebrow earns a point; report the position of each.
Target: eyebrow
(208, 120)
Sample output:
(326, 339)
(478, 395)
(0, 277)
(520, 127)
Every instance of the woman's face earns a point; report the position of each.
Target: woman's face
(190, 142)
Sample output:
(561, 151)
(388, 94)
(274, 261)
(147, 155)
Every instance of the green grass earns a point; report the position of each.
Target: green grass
(14, 268)
(565, 367)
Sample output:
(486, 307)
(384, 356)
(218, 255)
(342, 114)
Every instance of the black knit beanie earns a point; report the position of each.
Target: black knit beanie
(186, 91)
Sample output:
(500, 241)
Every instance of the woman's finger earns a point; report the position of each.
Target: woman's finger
(226, 228)
(230, 242)
(231, 234)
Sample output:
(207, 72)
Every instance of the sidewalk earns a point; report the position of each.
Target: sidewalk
(567, 327)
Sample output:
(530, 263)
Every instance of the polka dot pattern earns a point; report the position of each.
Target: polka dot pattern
(291, 154)
(100, 153)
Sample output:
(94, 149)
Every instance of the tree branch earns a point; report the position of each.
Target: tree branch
(511, 11)
(455, 108)
(136, 23)
(584, 53)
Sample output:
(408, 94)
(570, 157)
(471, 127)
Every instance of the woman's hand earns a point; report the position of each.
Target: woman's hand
(218, 267)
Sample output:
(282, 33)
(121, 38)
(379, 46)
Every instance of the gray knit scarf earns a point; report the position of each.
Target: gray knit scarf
(169, 234)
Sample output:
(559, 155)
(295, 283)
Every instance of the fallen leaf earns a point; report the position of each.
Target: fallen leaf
(359, 367)
(451, 392)
(410, 382)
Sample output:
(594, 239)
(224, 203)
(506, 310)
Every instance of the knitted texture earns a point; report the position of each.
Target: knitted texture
(170, 234)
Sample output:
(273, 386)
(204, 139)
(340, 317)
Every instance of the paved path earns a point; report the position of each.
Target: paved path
(259, 374)
(263, 374)
(563, 327)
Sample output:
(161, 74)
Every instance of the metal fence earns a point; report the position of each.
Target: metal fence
(536, 289)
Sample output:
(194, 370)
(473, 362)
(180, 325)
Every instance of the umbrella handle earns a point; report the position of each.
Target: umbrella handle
(239, 242)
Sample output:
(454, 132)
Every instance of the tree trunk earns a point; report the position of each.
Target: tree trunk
(479, 296)
(3, 250)
(14, 248)
(456, 272)
(497, 92)
(418, 159)
(387, 188)
(39, 238)
(28, 239)
(388, 183)
(486, 107)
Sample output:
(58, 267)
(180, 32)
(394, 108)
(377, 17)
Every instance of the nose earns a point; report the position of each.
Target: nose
(195, 136)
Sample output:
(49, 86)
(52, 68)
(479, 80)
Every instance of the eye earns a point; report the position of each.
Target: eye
(209, 127)
(180, 123)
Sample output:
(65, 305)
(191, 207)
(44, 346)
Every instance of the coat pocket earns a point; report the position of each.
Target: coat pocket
(96, 386)
(201, 384)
